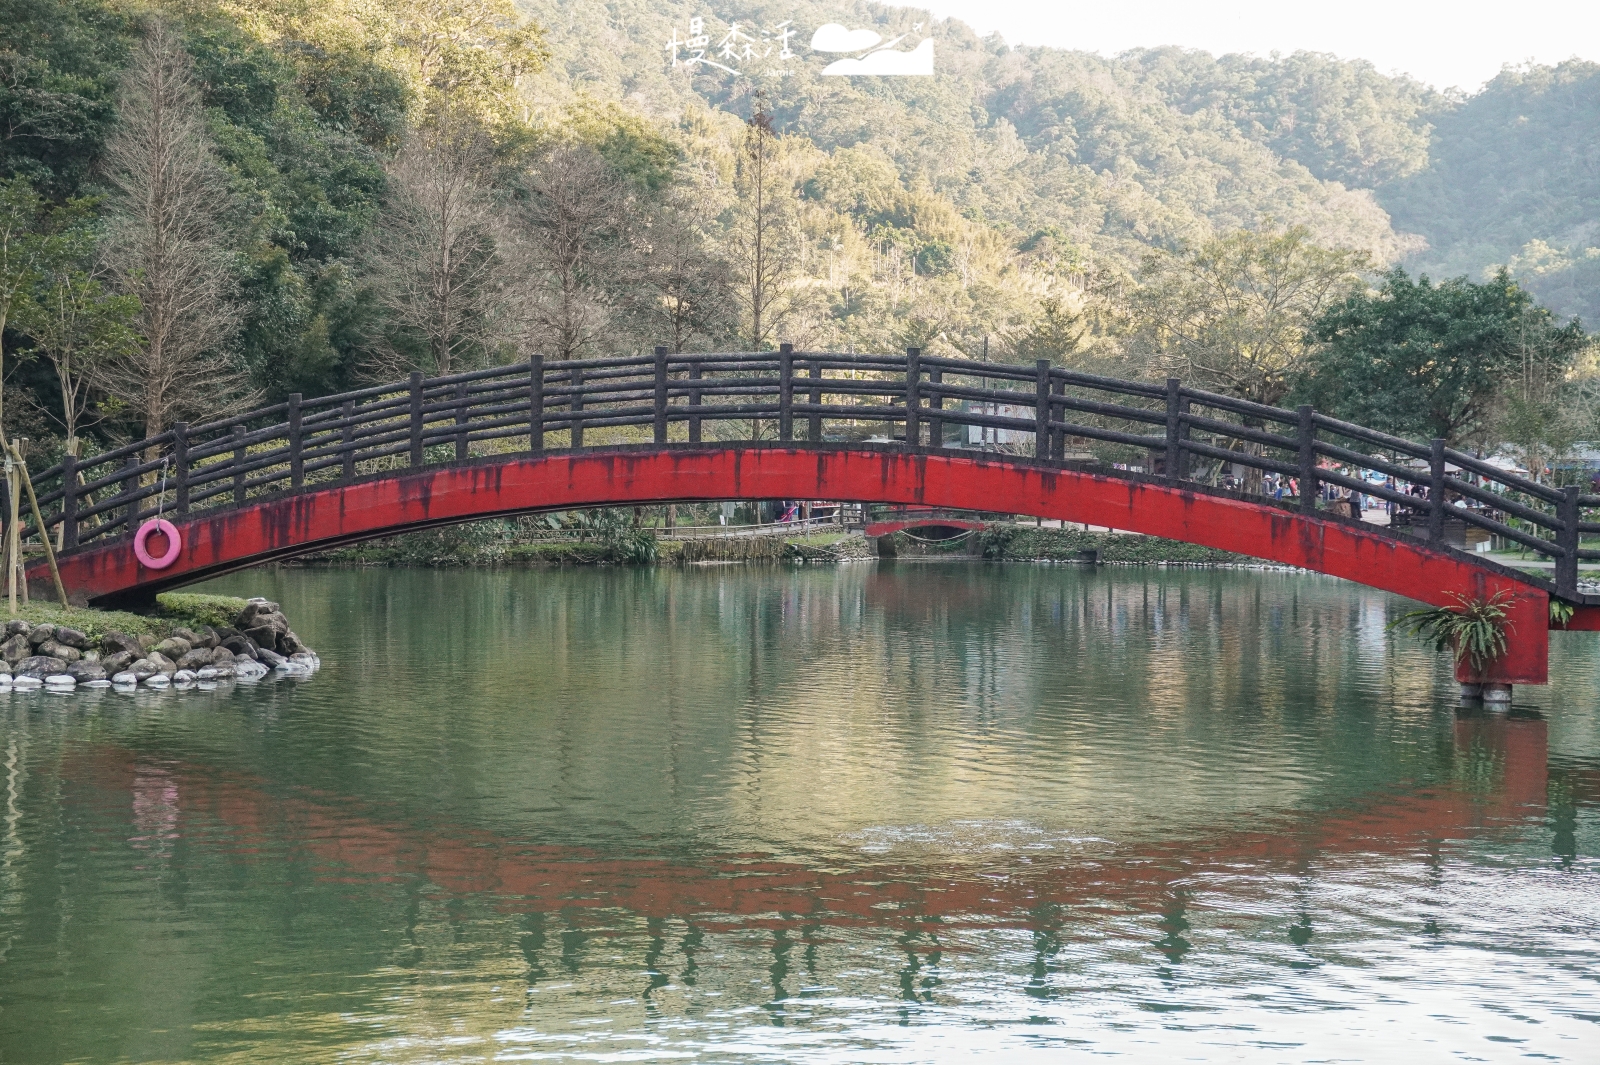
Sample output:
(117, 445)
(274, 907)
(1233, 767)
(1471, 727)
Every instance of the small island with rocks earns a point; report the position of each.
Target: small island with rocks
(44, 654)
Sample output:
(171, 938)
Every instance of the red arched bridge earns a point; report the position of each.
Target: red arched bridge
(308, 475)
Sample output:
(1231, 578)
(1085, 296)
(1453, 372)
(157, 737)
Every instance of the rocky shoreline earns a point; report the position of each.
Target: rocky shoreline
(61, 658)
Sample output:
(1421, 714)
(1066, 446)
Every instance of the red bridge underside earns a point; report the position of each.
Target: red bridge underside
(229, 540)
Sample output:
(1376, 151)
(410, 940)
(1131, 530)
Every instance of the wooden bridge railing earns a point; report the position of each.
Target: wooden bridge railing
(1179, 434)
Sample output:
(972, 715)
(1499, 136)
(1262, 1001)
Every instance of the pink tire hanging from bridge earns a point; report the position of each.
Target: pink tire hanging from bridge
(150, 528)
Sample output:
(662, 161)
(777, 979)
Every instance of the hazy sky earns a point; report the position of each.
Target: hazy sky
(1462, 43)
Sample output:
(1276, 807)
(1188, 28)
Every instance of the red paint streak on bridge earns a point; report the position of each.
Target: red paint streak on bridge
(312, 520)
(754, 890)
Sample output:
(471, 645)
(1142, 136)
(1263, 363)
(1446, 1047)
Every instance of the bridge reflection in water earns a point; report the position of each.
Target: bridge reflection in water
(538, 811)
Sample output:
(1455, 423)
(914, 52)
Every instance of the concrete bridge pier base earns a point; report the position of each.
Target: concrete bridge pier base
(1497, 695)
(1471, 694)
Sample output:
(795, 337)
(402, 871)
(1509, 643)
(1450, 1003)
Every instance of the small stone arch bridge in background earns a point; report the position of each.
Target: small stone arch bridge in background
(308, 475)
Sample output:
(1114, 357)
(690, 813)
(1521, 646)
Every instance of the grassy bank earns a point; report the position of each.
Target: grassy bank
(1023, 544)
(173, 610)
(998, 542)
(446, 548)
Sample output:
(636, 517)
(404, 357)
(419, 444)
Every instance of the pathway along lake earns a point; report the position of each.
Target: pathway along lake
(884, 812)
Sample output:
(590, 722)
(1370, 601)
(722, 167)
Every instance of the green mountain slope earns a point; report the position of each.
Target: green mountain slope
(1153, 147)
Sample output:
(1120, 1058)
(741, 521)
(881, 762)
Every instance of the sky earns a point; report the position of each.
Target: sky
(1458, 44)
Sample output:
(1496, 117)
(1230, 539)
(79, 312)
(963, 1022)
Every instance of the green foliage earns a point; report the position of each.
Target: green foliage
(614, 531)
(59, 62)
(994, 538)
(1055, 335)
(193, 609)
(1561, 613)
(1422, 360)
(1510, 181)
(634, 147)
(1473, 630)
(1232, 314)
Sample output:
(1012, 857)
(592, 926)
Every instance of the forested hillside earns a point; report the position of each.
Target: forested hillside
(374, 186)
(1112, 154)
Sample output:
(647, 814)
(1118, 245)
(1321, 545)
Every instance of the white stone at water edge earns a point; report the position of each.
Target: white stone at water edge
(27, 682)
(95, 684)
(125, 679)
(183, 678)
(207, 673)
(158, 680)
(61, 680)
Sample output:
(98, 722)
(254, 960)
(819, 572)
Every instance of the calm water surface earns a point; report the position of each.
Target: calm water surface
(862, 814)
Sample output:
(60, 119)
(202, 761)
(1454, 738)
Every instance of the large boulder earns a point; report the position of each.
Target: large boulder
(119, 661)
(16, 647)
(268, 657)
(69, 637)
(252, 609)
(56, 649)
(290, 644)
(85, 671)
(195, 659)
(207, 638)
(240, 645)
(40, 666)
(147, 641)
(18, 627)
(162, 662)
(174, 647)
(41, 632)
(115, 642)
(142, 669)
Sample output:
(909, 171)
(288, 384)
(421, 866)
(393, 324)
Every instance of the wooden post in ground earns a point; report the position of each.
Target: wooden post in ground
(13, 489)
(44, 534)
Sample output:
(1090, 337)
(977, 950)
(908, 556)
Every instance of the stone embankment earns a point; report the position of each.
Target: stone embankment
(60, 658)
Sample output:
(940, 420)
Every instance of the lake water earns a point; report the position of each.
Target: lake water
(872, 813)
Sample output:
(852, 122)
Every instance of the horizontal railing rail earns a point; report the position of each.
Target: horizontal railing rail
(1162, 430)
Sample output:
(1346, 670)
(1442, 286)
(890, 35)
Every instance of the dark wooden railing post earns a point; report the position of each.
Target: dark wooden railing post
(240, 453)
(297, 460)
(69, 501)
(1058, 437)
(913, 397)
(785, 391)
(1567, 538)
(180, 467)
(130, 485)
(347, 442)
(1172, 463)
(575, 407)
(1436, 491)
(661, 395)
(1309, 488)
(536, 403)
(416, 417)
(1041, 410)
(463, 445)
(814, 420)
(935, 403)
(694, 402)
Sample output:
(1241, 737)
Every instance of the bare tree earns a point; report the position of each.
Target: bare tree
(433, 253)
(165, 243)
(763, 219)
(686, 289)
(574, 252)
